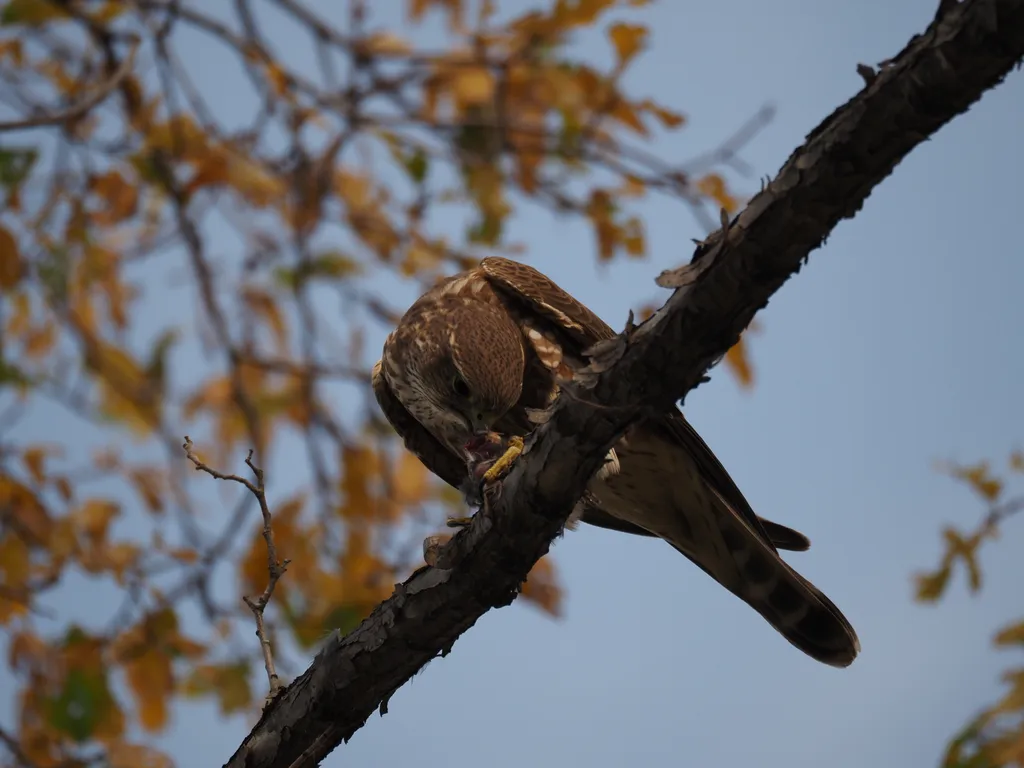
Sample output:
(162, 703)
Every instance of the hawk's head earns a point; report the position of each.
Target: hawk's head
(456, 365)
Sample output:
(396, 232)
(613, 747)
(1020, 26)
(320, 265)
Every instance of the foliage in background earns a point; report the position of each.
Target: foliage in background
(171, 267)
(996, 736)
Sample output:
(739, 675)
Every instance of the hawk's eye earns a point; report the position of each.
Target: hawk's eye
(460, 387)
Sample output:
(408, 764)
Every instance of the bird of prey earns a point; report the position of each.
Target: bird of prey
(478, 353)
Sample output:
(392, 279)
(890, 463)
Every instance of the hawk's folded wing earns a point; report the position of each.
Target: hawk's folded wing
(577, 328)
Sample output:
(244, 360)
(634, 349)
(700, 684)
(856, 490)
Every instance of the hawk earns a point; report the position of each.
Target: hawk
(479, 352)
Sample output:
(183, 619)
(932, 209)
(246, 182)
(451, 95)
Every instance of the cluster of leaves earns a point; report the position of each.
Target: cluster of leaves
(996, 736)
(172, 266)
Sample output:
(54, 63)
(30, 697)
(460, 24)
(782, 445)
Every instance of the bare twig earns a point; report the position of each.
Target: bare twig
(77, 110)
(275, 567)
(14, 747)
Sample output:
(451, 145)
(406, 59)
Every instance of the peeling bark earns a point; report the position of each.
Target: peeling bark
(969, 48)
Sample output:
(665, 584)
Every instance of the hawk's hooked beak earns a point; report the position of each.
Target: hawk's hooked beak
(479, 423)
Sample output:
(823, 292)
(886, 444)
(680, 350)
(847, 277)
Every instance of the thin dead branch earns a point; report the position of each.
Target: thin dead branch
(275, 567)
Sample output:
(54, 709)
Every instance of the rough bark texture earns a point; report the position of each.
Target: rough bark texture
(968, 49)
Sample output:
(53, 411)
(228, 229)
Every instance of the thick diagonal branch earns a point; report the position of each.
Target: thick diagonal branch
(968, 49)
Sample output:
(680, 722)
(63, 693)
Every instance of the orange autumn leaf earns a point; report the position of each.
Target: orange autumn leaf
(149, 485)
(147, 651)
(35, 461)
(228, 682)
(738, 360)
(713, 186)
(93, 517)
(265, 307)
(120, 197)
(25, 510)
(360, 468)
(542, 588)
(151, 681)
(979, 477)
(123, 755)
(10, 260)
(386, 42)
(15, 568)
(473, 85)
(410, 480)
(292, 542)
(628, 39)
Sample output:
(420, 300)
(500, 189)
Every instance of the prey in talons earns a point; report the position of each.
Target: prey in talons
(489, 457)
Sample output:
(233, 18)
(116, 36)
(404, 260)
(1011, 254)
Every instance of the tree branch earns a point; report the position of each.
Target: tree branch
(968, 49)
(78, 109)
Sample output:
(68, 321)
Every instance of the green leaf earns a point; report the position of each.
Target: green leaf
(30, 12)
(156, 366)
(330, 265)
(11, 374)
(487, 230)
(417, 164)
(344, 618)
(15, 165)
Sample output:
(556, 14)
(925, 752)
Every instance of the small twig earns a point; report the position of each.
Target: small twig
(14, 747)
(999, 512)
(275, 567)
(83, 106)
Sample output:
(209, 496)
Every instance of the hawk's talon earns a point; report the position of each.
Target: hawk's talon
(458, 522)
(504, 463)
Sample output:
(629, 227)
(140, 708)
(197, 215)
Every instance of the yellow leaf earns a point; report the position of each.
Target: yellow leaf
(626, 114)
(10, 260)
(24, 510)
(930, 586)
(126, 395)
(119, 558)
(1011, 635)
(148, 485)
(39, 340)
(291, 543)
(122, 755)
(473, 85)
(19, 315)
(280, 81)
(666, 117)
(230, 683)
(738, 360)
(360, 468)
(633, 237)
(151, 680)
(386, 42)
(264, 305)
(31, 12)
(255, 183)
(979, 477)
(410, 480)
(93, 518)
(1017, 461)
(120, 197)
(183, 555)
(35, 462)
(629, 40)
(15, 568)
(542, 589)
(713, 186)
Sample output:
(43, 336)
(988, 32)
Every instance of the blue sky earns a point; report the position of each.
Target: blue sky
(893, 348)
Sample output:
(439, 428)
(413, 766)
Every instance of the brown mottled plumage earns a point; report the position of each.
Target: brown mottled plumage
(481, 349)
